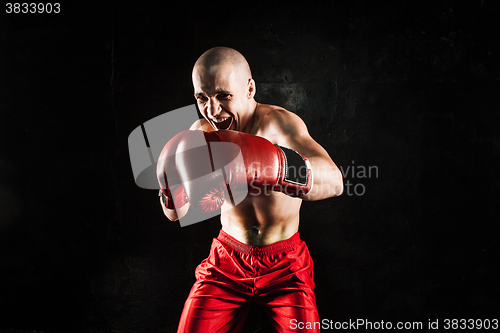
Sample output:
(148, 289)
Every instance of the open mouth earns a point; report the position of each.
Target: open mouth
(223, 123)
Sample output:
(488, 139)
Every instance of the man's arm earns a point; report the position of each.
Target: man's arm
(202, 125)
(286, 129)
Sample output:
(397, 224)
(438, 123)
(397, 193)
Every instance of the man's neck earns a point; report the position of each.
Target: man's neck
(249, 120)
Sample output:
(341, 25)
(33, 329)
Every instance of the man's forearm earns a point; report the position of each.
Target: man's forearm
(327, 179)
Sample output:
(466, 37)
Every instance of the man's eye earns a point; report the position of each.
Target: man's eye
(223, 96)
(202, 98)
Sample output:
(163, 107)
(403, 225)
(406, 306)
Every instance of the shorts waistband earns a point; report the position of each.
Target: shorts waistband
(280, 246)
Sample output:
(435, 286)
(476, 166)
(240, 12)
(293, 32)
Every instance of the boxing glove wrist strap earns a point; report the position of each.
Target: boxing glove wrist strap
(297, 178)
(179, 200)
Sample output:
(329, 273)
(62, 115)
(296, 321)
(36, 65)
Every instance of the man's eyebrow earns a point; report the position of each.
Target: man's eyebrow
(217, 91)
(221, 91)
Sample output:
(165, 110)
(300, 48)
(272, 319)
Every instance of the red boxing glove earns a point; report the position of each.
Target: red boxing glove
(232, 160)
(173, 193)
(269, 166)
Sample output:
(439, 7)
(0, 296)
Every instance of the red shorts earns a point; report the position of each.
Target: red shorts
(278, 276)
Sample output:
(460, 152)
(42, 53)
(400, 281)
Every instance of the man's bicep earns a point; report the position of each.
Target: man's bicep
(327, 178)
(307, 146)
(295, 135)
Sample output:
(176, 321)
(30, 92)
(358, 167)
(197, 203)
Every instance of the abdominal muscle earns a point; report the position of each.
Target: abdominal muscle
(262, 219)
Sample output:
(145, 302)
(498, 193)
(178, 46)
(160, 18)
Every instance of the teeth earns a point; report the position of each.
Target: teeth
(221, 120)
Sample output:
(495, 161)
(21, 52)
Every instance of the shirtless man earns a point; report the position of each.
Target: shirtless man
(258, 256)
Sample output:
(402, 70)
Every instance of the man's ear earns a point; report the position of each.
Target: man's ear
(251, 88)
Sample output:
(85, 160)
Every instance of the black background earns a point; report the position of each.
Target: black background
(408, 87)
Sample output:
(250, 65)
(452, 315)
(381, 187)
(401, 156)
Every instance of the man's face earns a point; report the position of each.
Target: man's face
(222, 96)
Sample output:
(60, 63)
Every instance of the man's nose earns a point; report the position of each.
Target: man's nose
(214, 107)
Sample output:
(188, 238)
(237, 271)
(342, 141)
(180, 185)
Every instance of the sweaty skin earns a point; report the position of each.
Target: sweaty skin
(224, 90)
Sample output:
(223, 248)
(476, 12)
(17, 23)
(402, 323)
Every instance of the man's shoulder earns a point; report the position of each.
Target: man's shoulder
(271, 111)
(276, 117)
(202, 125)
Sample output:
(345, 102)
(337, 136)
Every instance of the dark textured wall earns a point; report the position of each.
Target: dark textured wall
(409, 89)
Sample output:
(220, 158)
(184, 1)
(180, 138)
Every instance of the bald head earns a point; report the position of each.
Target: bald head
(223, 59)
(224, 88)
